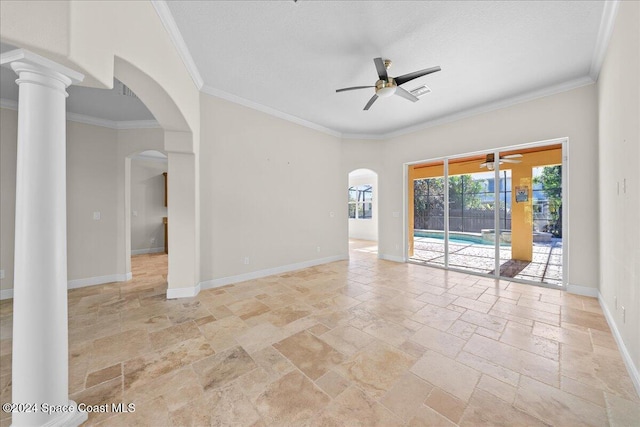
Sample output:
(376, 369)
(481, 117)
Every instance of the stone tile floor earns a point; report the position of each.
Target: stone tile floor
(546, 265)
(360, 342)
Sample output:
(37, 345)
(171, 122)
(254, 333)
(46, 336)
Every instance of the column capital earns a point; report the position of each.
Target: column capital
(23, 60)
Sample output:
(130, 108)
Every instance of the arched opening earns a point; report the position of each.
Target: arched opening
(363, 211)
(178, 143)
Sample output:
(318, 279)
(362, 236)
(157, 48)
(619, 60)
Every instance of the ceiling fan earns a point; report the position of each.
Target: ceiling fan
(489, 161)
(387, 86)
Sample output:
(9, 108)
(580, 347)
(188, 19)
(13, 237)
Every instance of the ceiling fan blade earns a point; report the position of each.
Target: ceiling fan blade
(353, 88)
(408, 77)
(503, 160)
(511, 156)
(405, 94)
(381, 69)
(371, 101)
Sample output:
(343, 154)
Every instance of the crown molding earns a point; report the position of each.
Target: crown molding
(137, 124)
(90, 120)
(268, 110)
(607, 23)
(10, 104)
(176, 37)
(112, 124)
(604, 34)
(496, 105)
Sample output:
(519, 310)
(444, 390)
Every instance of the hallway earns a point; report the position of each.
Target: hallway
(360, 341)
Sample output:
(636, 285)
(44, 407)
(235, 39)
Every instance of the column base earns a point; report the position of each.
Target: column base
(69, 419)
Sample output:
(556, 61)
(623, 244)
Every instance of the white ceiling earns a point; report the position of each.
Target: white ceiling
(288, 58)
(291, 57)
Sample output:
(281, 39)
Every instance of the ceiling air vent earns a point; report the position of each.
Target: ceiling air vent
(124, 90)
(420, 90)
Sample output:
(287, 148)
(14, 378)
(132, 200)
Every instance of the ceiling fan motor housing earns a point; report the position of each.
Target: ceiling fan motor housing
(385, 89)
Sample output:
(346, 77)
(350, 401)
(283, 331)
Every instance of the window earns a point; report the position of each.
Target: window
(360, 202)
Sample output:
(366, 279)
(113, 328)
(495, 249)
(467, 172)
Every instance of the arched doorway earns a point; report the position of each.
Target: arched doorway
(178, 144)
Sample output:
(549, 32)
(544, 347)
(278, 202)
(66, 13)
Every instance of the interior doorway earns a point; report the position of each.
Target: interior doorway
(146, 206)
(495, 213)
(363, 210)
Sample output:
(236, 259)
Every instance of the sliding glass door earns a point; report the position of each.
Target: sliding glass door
(497, 214)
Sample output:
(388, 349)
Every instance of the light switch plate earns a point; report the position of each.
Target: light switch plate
(1, 274)
(96, 216)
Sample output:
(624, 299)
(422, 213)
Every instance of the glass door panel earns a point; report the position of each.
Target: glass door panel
(471, 215)
(534, 232)
(427, 230)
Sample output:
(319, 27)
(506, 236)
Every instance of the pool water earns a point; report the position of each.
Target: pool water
(459, 239)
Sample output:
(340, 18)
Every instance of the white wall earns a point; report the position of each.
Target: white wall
(268, 188)
(91, 187)
(366, 229)
(571, 114)
(147, 206)
(619, 148)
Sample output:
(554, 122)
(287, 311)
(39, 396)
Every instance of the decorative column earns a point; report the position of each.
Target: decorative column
(40, 363)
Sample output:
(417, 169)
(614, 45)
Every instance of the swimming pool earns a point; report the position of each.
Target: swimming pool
(455, 237)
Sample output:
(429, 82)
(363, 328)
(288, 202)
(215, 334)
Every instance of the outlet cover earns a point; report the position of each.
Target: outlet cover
(246, 260)
(96, 216)
(1, 274)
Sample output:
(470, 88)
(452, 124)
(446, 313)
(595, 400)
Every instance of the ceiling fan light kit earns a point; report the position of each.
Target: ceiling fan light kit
(385, 89)
(387, 86)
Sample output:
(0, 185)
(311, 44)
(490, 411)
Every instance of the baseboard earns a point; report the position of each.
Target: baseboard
(6, 294)
(147, 251)
(631, 367)
(582, 290)
(99, 280)
(216, 283)
(393, 258)
(81, 283)
(173, 293)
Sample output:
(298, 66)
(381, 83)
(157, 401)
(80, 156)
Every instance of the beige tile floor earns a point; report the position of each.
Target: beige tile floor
(359, 342)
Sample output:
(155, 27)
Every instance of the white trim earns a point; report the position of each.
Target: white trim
(223, 281)
(81, 283)
(9, 104)
(626, 356)
(178, 41)
(6, 294)
(393, 258)
(268, 110)
(112, 124)
(496, 105)
(607, 22)
(90, 120)
(98, 280)
(137, 124)
(173, 293)
(147, 251)
(586, 291)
